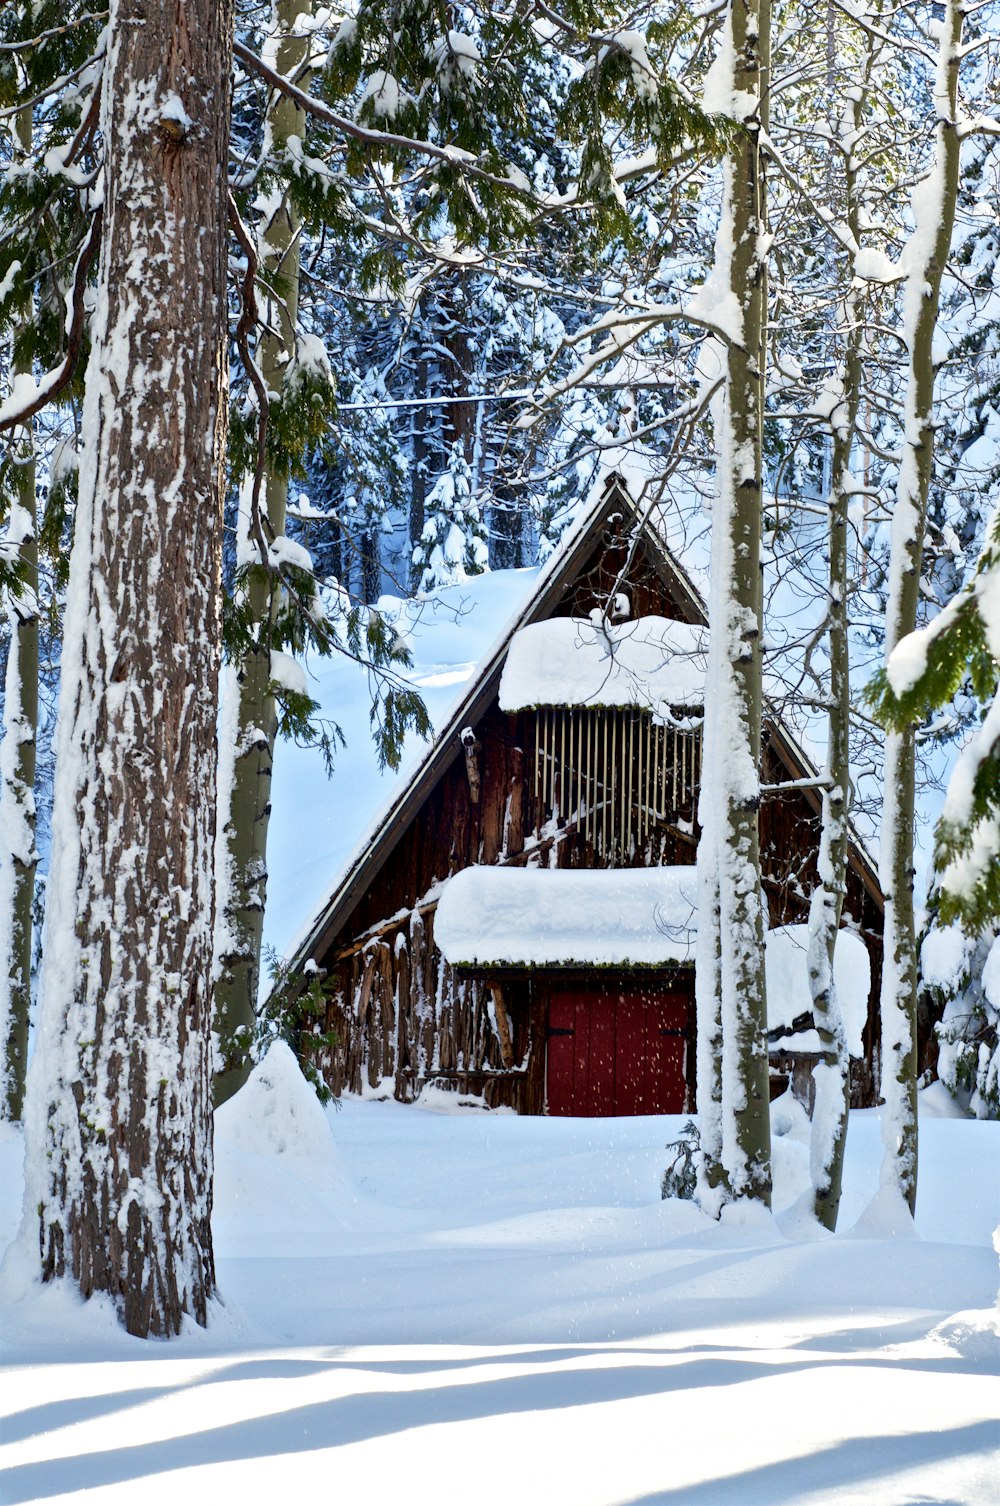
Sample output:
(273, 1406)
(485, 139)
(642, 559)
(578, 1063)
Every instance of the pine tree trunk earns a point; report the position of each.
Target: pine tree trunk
(17, 778)
(925, 257)
(733, 709)
(245, 806)
(119, 1118)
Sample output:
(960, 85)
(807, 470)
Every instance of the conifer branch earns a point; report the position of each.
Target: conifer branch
(454, 156)
(57, 381)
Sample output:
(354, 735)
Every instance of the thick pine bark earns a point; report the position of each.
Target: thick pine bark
(119, 1119)
(733, 712)
(925, 257)
(245, 807)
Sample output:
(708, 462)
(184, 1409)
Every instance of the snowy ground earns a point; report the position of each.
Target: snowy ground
(426, 1305)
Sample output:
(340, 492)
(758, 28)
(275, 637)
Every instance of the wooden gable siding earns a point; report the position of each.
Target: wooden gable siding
(402, 1015)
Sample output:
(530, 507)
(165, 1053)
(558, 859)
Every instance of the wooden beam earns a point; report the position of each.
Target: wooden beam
(503, 1025)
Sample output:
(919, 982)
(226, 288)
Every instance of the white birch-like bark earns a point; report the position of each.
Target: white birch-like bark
(924, 258)
(832, 1074)
(118, 1121)
(730, 801)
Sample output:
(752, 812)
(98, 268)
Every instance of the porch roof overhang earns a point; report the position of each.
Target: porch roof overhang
(504, 921)
(567, 918)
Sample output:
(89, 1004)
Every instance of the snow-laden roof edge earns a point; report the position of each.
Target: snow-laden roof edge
(653, 663)
(568, 917)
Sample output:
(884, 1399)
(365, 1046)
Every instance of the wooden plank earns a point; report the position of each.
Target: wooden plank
(513, 839)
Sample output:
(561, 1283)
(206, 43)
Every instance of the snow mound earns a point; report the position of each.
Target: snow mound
(788, 994)
(975, 1335)
(276, 1113)
(886, 1217)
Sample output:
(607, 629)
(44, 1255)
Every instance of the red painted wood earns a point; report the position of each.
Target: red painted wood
(616, 1054)
(560, 1054)
(631, 1067)
(603, 1047)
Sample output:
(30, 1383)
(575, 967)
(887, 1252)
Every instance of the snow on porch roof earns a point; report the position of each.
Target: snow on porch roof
(649, 662)
(567, 917)
(628, 917)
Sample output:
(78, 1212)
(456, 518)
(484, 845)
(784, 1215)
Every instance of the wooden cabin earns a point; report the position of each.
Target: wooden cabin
(521, 926)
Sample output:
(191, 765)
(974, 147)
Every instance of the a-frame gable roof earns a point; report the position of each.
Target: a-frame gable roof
(556, 579)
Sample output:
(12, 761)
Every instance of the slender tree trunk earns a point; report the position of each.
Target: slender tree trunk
(17, 794)
(119, 1117)
(713, 1184)
(832, 1075)
(245, 796)
(733, 711)
(924, 260)
(17, 777)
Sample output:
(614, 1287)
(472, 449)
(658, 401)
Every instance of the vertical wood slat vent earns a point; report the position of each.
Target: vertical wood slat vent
(615, 773)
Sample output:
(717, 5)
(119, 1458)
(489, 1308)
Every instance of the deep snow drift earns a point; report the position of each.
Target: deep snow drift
(428, 1303)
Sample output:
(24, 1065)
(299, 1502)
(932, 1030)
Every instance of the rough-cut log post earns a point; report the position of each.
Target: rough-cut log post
(513, 836)
(119, 1117)
(503, 1025)
(472, 747)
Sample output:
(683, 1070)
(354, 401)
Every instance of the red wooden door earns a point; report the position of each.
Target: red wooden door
(616, 1054)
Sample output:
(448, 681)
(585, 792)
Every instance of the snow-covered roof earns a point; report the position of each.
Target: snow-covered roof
(629, 917)
(649, 662)
(567, 917)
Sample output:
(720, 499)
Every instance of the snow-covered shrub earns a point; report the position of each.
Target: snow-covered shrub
(960, 975)
(681, 1176)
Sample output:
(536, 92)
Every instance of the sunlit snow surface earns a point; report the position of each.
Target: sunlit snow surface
(436, 1306)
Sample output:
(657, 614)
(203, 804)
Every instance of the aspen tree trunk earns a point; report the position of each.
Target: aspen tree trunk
(832, 1075)
(17, 777)
(924, 260)
(733, 711)
(119, 1164)
(245, 796)
(713, 1186)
